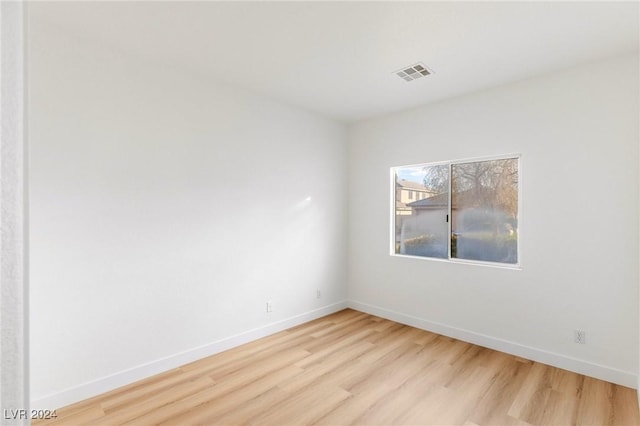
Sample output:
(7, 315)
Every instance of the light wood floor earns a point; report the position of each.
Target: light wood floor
(354, 368)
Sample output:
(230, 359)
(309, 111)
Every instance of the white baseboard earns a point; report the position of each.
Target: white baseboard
(609, 374)
(108, 383)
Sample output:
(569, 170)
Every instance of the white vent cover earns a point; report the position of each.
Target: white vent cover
(413, 72)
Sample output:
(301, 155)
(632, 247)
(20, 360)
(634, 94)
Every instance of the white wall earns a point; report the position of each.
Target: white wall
(577, 131)
(14, 365)
(166, 211)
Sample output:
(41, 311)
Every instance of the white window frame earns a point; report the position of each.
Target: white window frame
(449, 259)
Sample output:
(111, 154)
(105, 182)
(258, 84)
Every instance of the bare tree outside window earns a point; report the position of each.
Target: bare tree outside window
(484, 208)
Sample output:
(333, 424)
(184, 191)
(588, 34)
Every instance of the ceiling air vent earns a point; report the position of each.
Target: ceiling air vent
(414, 72)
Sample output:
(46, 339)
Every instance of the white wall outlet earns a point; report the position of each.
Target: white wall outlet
(318, 294)
(269, 307)
(580, 336)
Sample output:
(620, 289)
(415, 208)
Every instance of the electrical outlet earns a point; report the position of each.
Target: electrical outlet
(580, 336)
(269, 307)
(318, 294)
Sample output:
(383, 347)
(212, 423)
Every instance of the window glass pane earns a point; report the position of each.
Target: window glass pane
(421, 227)
(484, 208)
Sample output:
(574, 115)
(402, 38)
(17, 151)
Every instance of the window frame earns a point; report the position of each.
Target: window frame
(449, 259)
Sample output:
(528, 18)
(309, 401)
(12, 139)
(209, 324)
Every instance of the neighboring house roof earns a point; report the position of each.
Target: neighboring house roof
(416, 186)
(436, 202)
(440, 201)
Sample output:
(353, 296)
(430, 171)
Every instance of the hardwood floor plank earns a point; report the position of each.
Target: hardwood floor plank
(431, 404)
(523, 402)
(339, 345)
(319, 372)
(561, 409)
(595, 403)
(397, 368)
(506, 420)
(353, 408)
(229, 401)
(355, 368)
(624, 406)
(303, 408)
(508, 378)
(153, 402)
(252, 408)
(241, 379)
(466, 398)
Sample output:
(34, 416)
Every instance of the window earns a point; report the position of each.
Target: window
(468, 211)
(411, 195)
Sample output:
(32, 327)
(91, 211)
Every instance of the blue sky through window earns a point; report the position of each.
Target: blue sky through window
(413, 174)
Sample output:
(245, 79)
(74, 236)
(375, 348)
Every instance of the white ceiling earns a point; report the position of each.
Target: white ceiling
(338, 58)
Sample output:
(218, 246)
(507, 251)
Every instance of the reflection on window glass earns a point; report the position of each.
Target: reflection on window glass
(484, 208)
(480, 198)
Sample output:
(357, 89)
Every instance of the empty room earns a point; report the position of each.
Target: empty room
(419, 213)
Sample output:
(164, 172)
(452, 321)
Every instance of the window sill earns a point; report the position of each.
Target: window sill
(517, 267)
